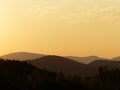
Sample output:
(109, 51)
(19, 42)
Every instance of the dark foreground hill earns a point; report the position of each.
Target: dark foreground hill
(15, 75)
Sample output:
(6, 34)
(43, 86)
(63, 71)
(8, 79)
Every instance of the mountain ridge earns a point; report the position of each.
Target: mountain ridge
(22, 56)
(68, 66)
(85, 60)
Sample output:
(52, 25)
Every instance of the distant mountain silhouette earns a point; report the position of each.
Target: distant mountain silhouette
(82, 66)
(29, 56)
(117, 58)
(85, 60)
(22, 56)
(68, 66)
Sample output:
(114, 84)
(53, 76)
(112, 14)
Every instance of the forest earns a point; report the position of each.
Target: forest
(16, 75)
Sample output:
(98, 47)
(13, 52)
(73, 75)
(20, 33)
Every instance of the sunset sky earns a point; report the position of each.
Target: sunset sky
(61, 27)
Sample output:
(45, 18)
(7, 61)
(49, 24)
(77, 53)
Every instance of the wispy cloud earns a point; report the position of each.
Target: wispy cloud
(71, 11)
(75, 11)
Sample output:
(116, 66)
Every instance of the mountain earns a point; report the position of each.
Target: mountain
(59, 64)
(85, 60)
(69, 66)
(22, 56)
(117, 58)
(29, 56)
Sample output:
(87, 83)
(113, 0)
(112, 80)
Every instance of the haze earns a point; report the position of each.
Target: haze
(61, 27)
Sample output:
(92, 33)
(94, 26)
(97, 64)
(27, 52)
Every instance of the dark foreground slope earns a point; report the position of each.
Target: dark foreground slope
(15, 75)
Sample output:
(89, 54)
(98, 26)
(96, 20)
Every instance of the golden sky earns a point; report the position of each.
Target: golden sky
(61, 27)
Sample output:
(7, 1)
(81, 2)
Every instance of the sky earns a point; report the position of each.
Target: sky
(61, 27)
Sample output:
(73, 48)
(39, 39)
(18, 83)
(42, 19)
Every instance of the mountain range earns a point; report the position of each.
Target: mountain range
(85, 60)
(22, 56)
(85, 66)
(58, 64)
(68, 66)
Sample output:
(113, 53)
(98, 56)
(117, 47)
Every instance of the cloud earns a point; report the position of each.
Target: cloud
(71, 11)
(94, 14)
(107, 14)
(76, 12)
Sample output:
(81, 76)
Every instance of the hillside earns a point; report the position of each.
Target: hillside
(16, 75)
(59, 64)
(68, 66)
(23, 56)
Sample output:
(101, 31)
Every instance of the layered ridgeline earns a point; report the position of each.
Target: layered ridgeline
(65, 64)
(85, 60)
(68, 66)
(22, 56)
